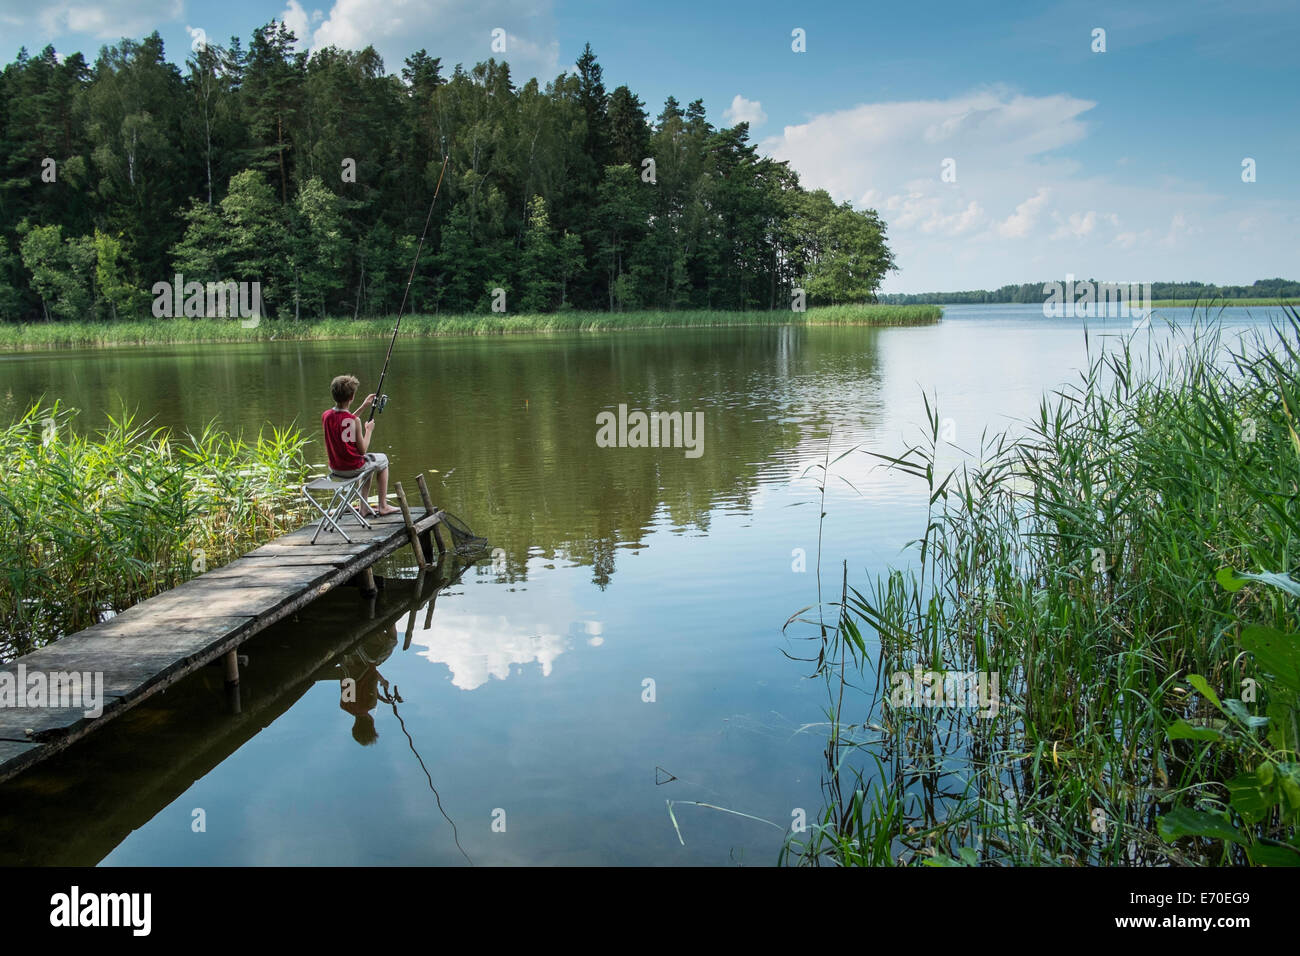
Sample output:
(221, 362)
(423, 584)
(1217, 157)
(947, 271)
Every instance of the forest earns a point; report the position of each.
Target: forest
(312, 174)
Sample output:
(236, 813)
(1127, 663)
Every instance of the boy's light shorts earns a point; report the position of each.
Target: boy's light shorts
(375, 461)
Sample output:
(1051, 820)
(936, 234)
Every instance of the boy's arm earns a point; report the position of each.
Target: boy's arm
(363, 439)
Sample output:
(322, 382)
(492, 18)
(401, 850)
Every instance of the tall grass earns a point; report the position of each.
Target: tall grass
(183, 331)
(91, 523)
(1141, 718)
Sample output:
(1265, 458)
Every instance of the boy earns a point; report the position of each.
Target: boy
(347, 440)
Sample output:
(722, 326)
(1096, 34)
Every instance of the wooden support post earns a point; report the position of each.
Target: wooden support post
(424, 494)
(230, 662)
(368, 586)
(410, 529)
(427, 536)
(429, 509)
(415, 606)
(428, 617)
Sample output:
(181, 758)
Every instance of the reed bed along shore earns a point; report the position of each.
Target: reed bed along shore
(1094, 658)
(15, 337)
(93, 522)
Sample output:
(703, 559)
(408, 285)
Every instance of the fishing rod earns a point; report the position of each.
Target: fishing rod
(380, 398)
(464, 539)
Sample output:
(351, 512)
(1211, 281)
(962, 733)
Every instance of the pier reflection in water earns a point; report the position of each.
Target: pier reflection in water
(77, 807)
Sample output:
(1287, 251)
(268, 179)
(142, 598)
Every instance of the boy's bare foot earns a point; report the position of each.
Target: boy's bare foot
(388, 510)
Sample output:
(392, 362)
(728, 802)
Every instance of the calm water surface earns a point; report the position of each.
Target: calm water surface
(522, 694)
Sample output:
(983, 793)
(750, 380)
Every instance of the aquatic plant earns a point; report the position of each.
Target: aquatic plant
(1146, 713)
(93, 523)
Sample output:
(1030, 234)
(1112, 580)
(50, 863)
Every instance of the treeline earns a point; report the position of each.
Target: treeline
(312, 175)
(1033, 292)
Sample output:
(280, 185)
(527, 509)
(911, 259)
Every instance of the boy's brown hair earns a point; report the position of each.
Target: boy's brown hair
(344, 388)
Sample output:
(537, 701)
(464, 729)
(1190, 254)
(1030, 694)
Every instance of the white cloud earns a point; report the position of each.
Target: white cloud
(1017, 185)
(297, 20)
(1075, 225)
(742, 110)
(1020, 222)
(925, 214)
(101, 21)
(456, 32)
(851, 150)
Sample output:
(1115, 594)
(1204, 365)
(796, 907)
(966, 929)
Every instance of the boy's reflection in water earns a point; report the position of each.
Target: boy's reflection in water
(360, 682)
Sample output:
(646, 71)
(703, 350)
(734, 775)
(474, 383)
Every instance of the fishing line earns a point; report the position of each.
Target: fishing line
(454, 834)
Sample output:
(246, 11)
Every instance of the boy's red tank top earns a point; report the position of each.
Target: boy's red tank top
(343, 455)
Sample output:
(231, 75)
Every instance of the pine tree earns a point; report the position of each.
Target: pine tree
(272, 94)
(628, 130)
(594, 102)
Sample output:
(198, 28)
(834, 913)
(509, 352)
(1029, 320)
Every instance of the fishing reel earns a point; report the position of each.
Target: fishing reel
(380, 402)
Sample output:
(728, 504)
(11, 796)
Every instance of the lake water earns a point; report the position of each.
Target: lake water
(524, 734)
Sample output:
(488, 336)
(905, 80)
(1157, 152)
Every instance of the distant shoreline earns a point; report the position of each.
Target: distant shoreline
(1163, 294)
(1213, 305)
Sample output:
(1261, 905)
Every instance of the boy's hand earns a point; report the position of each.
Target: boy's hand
(369, 400)
(370, 426)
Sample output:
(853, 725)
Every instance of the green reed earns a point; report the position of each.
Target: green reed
(1077, 561)
(93, 523)
(181, 331)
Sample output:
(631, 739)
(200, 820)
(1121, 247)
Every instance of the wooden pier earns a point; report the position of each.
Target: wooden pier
(141, 763)
(155, 643)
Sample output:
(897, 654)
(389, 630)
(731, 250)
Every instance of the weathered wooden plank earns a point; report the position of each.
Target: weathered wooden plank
(219, 598)
(304, 546)
(263, 573)
(32, 724)
(12, 749)
(271, 555)
(197, 628)
(134, 655)
(16, 756)
(379, 528)
(387, 535)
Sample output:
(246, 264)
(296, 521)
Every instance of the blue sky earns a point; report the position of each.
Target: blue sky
(1124, 165)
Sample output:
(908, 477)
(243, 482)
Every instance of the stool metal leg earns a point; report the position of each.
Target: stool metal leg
(328, 515)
